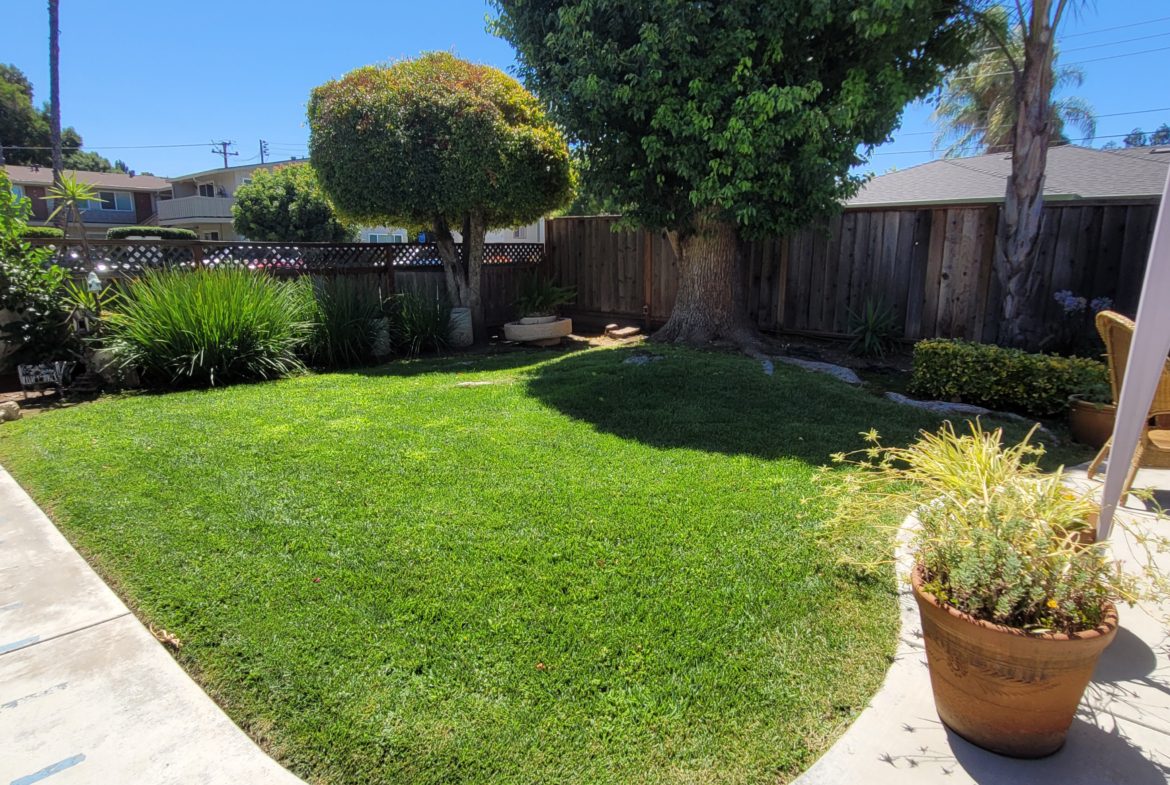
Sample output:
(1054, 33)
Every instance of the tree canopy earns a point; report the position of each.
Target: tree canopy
(287, 204)
(976, 107)
(754, 108)
(23, 126)
(436, 137)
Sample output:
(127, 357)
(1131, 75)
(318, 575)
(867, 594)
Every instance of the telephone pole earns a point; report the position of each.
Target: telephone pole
(223, 150)
(263, 150)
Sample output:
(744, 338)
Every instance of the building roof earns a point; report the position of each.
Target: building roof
(1073, 173)
(239, 167)
(43, 175)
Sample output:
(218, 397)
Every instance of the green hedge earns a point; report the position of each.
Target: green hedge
(1006, 379)
(37, 232)
(164, 232)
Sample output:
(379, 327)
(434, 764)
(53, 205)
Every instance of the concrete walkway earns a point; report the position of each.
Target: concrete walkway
(1121, 734)
(87, 695)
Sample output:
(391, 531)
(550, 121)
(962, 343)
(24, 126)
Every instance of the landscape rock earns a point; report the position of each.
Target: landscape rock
(939, 407)
(10, 410)
(836, 371)
(642, 359)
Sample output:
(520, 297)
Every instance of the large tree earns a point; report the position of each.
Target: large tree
(977, 107)
(24, 129)
(287, 204)
(438, 141)
(720, 121)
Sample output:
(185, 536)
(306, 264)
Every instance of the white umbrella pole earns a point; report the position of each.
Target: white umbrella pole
(1147, 358)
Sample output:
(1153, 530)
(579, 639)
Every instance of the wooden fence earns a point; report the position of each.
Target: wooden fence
(932, 266)
(399, 266)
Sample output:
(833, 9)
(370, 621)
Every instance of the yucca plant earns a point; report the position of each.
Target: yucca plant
(346, 311)
(539, 296)
(419, 323)
(209, 327)
(874, 329)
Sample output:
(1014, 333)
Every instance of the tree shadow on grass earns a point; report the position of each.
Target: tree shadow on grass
(718, 403)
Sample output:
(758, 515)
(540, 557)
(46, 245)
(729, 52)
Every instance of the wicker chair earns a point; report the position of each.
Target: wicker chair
(1154, 446)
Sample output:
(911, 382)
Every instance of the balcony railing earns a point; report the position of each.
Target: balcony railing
(192, 207)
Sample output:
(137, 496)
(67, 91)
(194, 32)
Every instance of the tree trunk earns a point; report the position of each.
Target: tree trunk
(473, 243)
(55, 90)
(711, 300)
(1024, 202)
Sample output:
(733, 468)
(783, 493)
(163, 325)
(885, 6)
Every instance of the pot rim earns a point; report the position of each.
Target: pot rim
(1076, 398)
(1106, 627)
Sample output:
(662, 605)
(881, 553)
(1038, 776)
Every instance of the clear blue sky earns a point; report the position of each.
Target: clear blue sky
(154, 73)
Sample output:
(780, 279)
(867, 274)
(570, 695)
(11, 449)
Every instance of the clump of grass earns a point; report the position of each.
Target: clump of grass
(209, 327)
(346, 311)
(419, 323)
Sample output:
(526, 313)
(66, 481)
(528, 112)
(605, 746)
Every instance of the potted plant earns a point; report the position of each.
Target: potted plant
(537, 306)
(1091, 413)
(1016, 599)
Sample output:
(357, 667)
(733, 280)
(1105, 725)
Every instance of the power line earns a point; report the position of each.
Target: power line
(1098, 117)
(912, 152)
(1118, 27)
(1115, 43)
(1076, 62)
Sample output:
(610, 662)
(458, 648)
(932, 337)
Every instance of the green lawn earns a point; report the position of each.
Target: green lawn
(580, 571)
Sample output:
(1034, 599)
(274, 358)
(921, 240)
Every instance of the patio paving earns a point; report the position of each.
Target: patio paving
(1121, 733)
(87, 695)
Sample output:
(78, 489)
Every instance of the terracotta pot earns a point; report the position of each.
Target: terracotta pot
(1001, 688)
(1090, 423)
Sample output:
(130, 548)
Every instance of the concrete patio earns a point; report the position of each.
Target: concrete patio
(1121, 734)
(87, 695)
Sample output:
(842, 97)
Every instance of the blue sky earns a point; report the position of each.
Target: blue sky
(179, 73)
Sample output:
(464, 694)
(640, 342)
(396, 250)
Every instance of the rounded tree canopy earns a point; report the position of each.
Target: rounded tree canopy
(287, 204)
(751, 110)
(436, 137)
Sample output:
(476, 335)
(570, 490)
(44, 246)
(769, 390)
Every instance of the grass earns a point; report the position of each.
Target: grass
(574, 570)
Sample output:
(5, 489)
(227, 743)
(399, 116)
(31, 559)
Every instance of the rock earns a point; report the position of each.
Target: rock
(621, 333)
(642, 359)
(10, 410)
(769, 368)
(474, 384)
(938, 407)
(836, 371)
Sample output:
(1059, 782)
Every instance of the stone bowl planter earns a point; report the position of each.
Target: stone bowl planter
(1001, 688)
(538, 330)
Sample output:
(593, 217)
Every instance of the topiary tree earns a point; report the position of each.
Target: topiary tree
(161, 232)
(441, 142)
(287, 204)
(728, 120)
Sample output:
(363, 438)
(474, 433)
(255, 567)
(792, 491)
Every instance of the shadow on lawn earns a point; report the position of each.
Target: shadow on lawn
(718, 403)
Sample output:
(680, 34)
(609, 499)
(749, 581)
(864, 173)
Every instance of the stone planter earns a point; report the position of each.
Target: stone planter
(547, 331)
(1001, 688)
(461, 331)
(1090, 423)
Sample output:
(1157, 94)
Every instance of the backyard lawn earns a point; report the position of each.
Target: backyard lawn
(525, 568)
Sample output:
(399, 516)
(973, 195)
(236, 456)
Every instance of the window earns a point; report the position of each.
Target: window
(112, 200)
(396, 237)
(520, 233)
(246, 181)
(207, 189)
(211, 235)
(18, 190)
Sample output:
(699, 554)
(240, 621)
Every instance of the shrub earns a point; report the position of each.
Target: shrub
(209, 327)
(42, 232)
(1034, 384)
(346, 312)
(419, 323)
(539, 296)
(31, 288)
(288, 205)
(998, 538)
(161, 232)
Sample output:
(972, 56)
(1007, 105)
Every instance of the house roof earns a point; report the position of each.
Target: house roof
(221, 169)
(1073, 173)
(43, 175)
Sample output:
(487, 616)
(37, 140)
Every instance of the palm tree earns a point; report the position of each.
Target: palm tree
(977, 106)
(69, 198)
(55, 89)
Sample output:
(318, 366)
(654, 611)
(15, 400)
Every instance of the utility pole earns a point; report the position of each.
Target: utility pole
(223, 150)
(263, 150)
